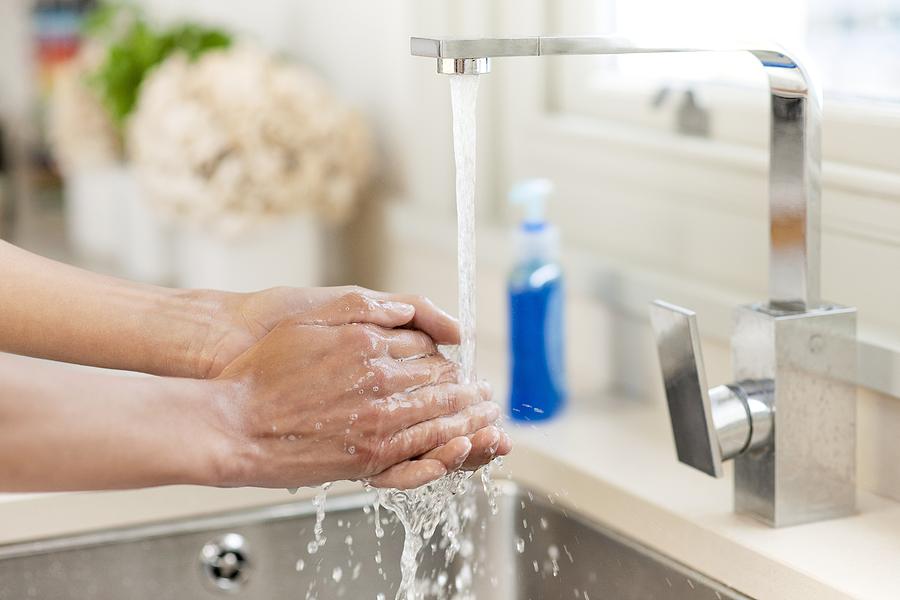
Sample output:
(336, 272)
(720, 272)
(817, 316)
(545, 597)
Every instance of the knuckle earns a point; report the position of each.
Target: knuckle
(379, 377)
(450, 371)
(403, 443)
(413, 337)
(357, 289)
(366, 450)
(355, 301)
(382, 452)
(455, 400)
(377, 415)
(476, 419)
(361, 334)
(429, 395)
(434, 436)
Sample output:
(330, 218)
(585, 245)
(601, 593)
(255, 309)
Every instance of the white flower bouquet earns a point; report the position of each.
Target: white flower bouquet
(238, 136)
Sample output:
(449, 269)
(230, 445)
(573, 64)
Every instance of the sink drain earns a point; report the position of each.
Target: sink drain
(225, 563)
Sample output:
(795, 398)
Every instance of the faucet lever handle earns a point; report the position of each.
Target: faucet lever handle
(684, 375)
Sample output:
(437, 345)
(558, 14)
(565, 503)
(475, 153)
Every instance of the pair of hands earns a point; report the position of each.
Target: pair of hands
(324, 384)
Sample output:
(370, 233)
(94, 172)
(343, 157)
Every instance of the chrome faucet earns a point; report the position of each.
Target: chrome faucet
(789, 418)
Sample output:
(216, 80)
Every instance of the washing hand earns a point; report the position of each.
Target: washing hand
(324, 397)
(237, 321)
(243, 319)
(190, 338)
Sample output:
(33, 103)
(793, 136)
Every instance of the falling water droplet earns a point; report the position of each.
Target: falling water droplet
(553, 552)
(379, 530)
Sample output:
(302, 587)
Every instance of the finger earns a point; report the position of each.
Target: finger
(428, 318)
(414, 473)
(419, 372)
(409, 474)
(421, 438)
(355, 307)
(434, 401)
(453, 454)
(404, 344)
(487, 444)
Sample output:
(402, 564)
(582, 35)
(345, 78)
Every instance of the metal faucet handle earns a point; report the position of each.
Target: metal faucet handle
(710, 425)
(684, 375)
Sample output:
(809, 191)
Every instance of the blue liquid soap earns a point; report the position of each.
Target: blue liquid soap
(536, 298)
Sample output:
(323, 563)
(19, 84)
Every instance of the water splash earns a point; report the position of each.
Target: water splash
(420, 512)
(318, 529)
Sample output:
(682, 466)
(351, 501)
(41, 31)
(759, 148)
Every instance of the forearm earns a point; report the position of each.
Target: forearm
(51, 310)
(63, 428)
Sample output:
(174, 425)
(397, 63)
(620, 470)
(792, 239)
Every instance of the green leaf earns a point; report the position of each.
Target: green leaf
(134, 52)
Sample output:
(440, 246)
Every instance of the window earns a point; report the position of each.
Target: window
(851, 46)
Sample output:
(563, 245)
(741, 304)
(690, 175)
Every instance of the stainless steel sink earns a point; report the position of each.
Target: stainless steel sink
(256, 554)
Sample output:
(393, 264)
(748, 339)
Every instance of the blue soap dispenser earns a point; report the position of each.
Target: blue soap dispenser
(535, 288)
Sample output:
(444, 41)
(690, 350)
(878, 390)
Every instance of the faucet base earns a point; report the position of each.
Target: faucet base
(807, 471)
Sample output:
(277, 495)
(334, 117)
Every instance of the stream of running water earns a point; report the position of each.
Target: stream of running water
(449, 502)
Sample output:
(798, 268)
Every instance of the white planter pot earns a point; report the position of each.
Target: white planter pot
(94, 213)
(146, 240)
(109, 224)
(284, 251)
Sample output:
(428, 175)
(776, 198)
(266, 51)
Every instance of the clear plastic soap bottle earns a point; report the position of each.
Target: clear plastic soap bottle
(535, 289)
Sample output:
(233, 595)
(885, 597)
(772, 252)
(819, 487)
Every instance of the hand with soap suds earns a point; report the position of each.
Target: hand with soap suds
(348, 394)
(284, 387)
(243, 319)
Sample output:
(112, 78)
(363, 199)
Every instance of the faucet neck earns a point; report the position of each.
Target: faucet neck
(794, 190)
(794, 163)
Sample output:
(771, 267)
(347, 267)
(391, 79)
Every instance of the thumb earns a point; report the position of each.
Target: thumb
(357, 308)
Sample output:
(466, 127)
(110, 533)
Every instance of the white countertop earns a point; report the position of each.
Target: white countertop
(614, 464)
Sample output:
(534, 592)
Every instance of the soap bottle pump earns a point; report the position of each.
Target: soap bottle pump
(535, 290)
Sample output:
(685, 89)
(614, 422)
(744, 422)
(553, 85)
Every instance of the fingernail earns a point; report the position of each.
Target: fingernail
(400, 307)
(496, 436)
(464, 455)
(485, 389)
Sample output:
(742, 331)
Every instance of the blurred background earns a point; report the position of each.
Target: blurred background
(241, 145)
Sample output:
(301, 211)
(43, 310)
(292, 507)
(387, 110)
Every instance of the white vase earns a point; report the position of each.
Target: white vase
(285, 251)
(94, 213)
